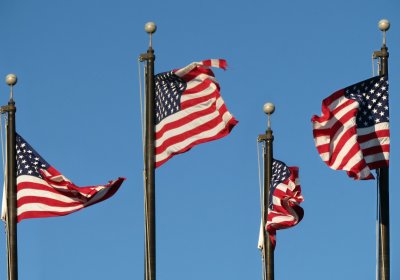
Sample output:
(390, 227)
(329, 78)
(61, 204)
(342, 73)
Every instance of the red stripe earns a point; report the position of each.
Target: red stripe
(374, 135)
(378, 164)
(376, 150)
(43, 187)
(349, 155)
(47, 201)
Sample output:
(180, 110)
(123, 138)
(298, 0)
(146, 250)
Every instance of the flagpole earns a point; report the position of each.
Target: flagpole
(268, 250)
(150, 209)
(383, 177)
(11, 173)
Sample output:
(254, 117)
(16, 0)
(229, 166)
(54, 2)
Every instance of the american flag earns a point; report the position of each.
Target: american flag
(189, 109)
(43, 192)
(353, 132)
(285, 198)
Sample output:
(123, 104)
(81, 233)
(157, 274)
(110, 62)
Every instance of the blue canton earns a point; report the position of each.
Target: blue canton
(372, 95)
(169, 88)
(280, 172)
(29, 162)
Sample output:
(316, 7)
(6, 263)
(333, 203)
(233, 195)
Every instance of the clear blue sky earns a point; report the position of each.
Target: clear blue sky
(78, 104)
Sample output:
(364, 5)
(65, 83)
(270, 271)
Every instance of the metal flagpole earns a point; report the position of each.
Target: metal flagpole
(383, 177)
(268, 250)
(11, 219)
(150, 209)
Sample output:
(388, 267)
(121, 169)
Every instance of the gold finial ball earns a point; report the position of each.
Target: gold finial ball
(269, 108)
(11, 79)
(384, 25)
(150, 27)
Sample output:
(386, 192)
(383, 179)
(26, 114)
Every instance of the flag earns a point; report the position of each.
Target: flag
(189, 109)
(285, 197)
(44, 192)
(353, 132)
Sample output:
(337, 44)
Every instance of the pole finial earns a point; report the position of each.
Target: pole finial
(150, 28)
(384, 26)
(11, 80)
(269, 108)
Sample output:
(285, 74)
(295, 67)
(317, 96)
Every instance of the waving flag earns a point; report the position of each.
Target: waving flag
(43, 192)
(189, 109)
(285, 198)
(353, 132)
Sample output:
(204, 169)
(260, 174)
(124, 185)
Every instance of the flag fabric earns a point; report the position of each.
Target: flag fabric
(44, 192)
(353, 132)
(285, 197)
(189, 109)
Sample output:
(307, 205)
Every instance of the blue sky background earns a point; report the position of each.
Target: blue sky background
(78, 105)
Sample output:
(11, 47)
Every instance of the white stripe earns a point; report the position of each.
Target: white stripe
(204, 134)
(276, 201)
(377, 157)
(199, 79)
(215, 62)
(37, 180)
(33, 179)
(280, 219)
(40, 207)
(45, 194)
(375, 142)
(376, 127)
(183, 71)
